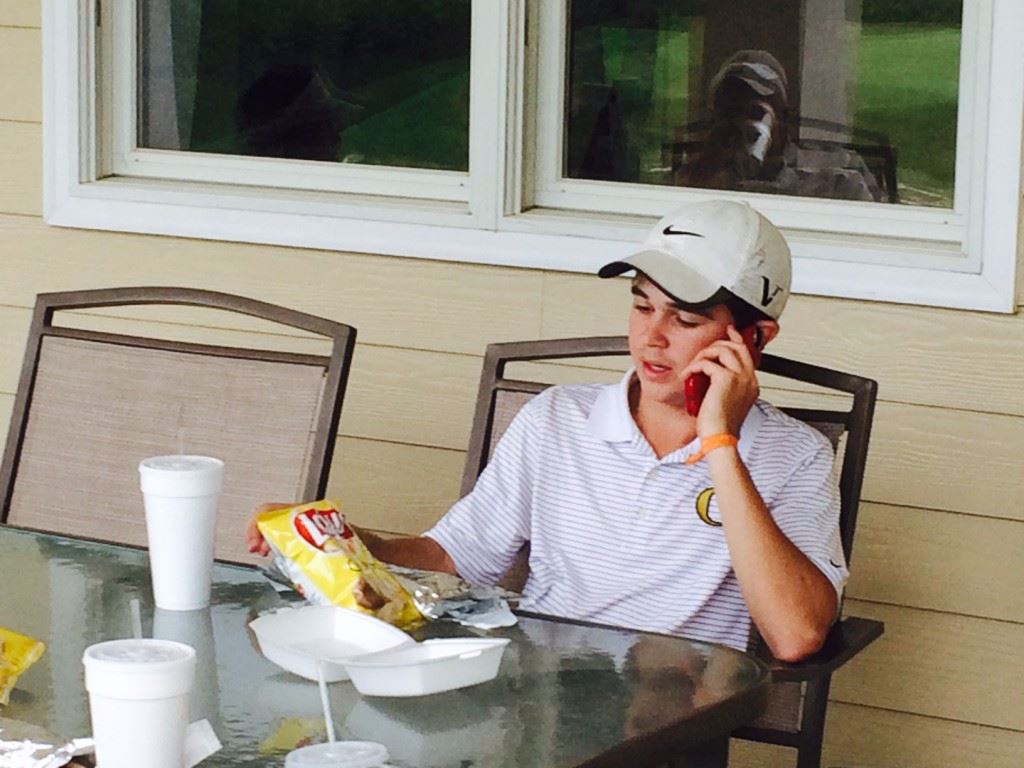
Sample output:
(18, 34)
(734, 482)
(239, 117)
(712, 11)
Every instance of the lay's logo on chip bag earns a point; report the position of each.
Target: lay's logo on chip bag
(320, 528)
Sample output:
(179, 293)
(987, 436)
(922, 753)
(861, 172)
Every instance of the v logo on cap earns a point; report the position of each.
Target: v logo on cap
(766, 297)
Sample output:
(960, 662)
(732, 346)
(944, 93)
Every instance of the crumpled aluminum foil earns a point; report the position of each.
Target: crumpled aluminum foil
(444, 596)
(25, 753)
(200, 743)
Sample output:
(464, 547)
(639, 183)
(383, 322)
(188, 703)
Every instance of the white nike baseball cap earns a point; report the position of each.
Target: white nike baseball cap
(761, 71)
(702, 252)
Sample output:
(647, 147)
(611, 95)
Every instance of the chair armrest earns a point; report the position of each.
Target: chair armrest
(846, 639)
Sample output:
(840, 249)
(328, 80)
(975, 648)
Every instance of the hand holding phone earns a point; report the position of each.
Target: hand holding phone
(696, 385)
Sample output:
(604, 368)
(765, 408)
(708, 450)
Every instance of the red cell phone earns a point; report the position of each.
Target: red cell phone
(696, 386)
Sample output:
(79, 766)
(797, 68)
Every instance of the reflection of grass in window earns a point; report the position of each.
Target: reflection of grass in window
(671, 107)
(651, 109)
(624, 59)
(381, 66)
(907, 88)
(425, 123)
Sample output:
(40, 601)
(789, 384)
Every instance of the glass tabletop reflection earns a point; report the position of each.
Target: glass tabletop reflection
(567, 694)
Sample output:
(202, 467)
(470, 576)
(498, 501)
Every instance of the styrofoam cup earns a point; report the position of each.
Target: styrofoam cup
(180, 495)
(138, 699)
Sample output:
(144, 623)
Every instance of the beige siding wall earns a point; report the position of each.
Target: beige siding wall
(940, 545)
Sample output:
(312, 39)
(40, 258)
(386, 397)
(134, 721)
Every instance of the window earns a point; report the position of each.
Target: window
(546, 133)
(339, 82)
(334, 83)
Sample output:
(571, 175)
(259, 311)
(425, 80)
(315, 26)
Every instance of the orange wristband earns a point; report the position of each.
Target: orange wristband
(708, 444)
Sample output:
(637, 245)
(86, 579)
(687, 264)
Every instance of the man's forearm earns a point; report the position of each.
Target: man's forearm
(411, 552)
(789, 598)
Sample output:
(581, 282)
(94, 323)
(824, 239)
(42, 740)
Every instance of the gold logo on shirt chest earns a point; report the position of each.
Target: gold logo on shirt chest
(704, 507)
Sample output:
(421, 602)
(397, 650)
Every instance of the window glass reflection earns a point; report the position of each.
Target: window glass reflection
(841, 99)
(360, 82)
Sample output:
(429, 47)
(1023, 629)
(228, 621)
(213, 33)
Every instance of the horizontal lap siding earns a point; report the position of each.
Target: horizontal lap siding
(21, 173)
(941, 459)
(867, 736)
(938, 554)
(940, 561)
(407, 303)
(938, 664)
(20, 53)
(20, 13)
(394, 487)
(6, 406)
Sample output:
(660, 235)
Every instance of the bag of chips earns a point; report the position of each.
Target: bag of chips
(327, 563)
(17, 653)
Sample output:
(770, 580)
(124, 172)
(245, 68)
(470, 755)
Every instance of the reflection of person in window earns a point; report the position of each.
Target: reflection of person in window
(748, 145)
(291, 111)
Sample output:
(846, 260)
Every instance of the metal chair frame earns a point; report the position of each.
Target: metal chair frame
(336, 366)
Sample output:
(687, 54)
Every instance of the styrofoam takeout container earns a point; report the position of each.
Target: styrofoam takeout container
(428, 667)
(298, 639)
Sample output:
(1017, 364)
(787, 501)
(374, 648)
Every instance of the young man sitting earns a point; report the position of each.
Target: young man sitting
(641, 515)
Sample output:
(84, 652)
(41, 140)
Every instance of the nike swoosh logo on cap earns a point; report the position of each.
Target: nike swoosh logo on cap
(669, 231)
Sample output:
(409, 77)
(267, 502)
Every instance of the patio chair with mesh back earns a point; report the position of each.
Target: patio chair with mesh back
(795, 716)
(91, 404)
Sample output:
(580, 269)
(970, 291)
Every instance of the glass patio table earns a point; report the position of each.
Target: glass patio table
(568, 694)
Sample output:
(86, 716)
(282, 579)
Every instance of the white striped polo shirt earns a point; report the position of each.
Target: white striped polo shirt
(621, 537)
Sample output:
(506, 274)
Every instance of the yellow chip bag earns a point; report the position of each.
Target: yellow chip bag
(324, 558)
(294, 733)
(17, 653)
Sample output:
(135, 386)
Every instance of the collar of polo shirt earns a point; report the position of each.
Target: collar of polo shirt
(610, 420)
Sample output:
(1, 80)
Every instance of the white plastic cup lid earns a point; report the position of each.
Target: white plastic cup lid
(139, 668)
(181, 475)
(338, 754)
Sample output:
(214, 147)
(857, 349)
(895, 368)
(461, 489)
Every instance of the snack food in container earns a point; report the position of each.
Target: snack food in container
(324, 558)
(17, 653)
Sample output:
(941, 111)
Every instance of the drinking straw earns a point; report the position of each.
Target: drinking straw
(136, 613)
(325, 701)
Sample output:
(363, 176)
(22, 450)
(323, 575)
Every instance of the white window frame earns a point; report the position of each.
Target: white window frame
(511, 209)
